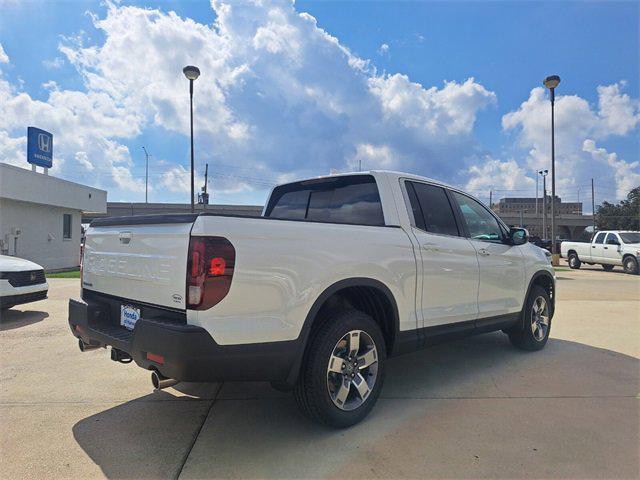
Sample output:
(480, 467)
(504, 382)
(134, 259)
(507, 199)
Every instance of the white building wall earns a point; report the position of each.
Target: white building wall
(41, 239)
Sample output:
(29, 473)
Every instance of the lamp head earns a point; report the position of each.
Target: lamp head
(551, 81)
(191, 72)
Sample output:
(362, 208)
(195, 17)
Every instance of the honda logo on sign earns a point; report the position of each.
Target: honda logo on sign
(44, 142)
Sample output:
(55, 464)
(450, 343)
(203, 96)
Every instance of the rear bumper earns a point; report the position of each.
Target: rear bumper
(189, 353)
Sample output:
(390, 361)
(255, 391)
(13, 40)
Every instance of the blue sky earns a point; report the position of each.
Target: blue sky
(283, 100)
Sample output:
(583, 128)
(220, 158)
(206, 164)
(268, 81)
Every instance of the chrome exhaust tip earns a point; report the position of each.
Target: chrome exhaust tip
(159, 381)
(85, 347)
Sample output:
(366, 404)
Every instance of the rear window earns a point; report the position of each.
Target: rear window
(431, 209)
(350, 199)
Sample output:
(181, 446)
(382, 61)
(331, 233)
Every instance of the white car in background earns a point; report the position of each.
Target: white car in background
(608, 248)
(21, 281)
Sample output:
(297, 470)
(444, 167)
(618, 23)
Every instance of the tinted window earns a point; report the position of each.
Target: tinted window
(612, 239)
(352, 199)
(431, 209)
(600, 238)
(292, 205)
(630, 237)
(66, 225)
(480, 223)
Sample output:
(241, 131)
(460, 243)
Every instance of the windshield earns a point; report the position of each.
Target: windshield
(630, 237)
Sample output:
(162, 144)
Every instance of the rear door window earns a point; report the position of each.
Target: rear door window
(600, 238)
(431, 209)
(292, 205)
(349, 199)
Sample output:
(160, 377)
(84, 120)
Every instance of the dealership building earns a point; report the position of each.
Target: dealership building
(40, 216)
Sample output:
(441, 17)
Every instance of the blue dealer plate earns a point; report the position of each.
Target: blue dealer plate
(129, 316)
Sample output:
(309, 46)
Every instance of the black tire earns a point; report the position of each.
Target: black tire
(630, 265)
(574, 261)
(312, 390)
(607, 268)
(524, 338)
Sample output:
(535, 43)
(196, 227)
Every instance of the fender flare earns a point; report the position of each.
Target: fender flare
(303, 338)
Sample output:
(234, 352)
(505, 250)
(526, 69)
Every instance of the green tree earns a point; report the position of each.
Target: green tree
(620, 216)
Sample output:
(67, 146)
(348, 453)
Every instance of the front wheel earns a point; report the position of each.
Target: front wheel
(574, 261)
(343, 371)
(536, 322)
(630, 265)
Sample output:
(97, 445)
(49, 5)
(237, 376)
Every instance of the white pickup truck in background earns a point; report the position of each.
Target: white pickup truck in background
(337, 275)
(608, 248)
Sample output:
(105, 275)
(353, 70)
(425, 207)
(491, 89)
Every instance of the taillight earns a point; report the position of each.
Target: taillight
(209, 271)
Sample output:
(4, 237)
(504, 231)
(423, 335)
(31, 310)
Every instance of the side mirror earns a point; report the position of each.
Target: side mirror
(519, 236)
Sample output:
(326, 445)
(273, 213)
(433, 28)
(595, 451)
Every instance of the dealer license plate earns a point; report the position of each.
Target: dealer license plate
(129, 316)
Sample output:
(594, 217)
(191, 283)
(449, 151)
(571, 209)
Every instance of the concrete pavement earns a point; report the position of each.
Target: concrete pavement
(473, 408)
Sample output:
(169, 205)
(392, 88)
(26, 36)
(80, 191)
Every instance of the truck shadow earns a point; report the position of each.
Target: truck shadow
(433, 401)
(12, 318)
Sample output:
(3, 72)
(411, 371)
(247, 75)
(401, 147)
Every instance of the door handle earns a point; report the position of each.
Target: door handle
(606, 248)
(431, 247)
(484, 252)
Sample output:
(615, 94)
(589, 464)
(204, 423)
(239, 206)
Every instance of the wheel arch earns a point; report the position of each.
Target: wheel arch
(365, 294)
(544, 279)
(630, 255)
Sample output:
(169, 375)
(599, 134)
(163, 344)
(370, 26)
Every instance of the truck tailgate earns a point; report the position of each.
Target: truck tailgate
(142, 261)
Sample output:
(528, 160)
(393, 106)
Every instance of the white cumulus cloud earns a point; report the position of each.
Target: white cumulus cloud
(277, 95)
(4, 58)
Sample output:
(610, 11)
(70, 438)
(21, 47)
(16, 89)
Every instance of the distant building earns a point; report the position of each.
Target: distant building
(513, 206)
(40, 216)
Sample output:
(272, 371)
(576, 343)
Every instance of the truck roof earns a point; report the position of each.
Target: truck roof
(391, 174)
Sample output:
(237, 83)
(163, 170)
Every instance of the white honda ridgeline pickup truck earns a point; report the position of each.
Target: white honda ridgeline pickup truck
(338, 274)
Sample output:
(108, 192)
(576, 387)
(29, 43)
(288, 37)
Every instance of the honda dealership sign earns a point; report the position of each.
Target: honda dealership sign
(39, 147)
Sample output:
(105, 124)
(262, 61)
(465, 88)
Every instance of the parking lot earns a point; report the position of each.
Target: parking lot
(473, 408)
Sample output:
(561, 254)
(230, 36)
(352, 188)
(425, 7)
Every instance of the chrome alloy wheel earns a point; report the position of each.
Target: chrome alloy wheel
(352, 370)
(540, 318)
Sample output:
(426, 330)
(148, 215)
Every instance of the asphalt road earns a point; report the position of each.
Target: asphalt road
(473, 408)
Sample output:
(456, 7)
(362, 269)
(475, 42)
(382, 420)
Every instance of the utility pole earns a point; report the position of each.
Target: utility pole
(521, 219)
(146, 177)
(593, 206)
(205, 197)
(490, 199)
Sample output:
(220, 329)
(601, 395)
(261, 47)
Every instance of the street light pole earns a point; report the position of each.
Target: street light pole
(551, 83)
(191, 73)
(146, 177)
(537, 197)
(544, 174)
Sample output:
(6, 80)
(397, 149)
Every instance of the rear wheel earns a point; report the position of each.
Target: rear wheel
(343, 371)
(630, 265)
(574, 261)
(536, 322)
(607, 268)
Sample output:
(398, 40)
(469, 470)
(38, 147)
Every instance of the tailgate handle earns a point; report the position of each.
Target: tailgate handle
(125, 237)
